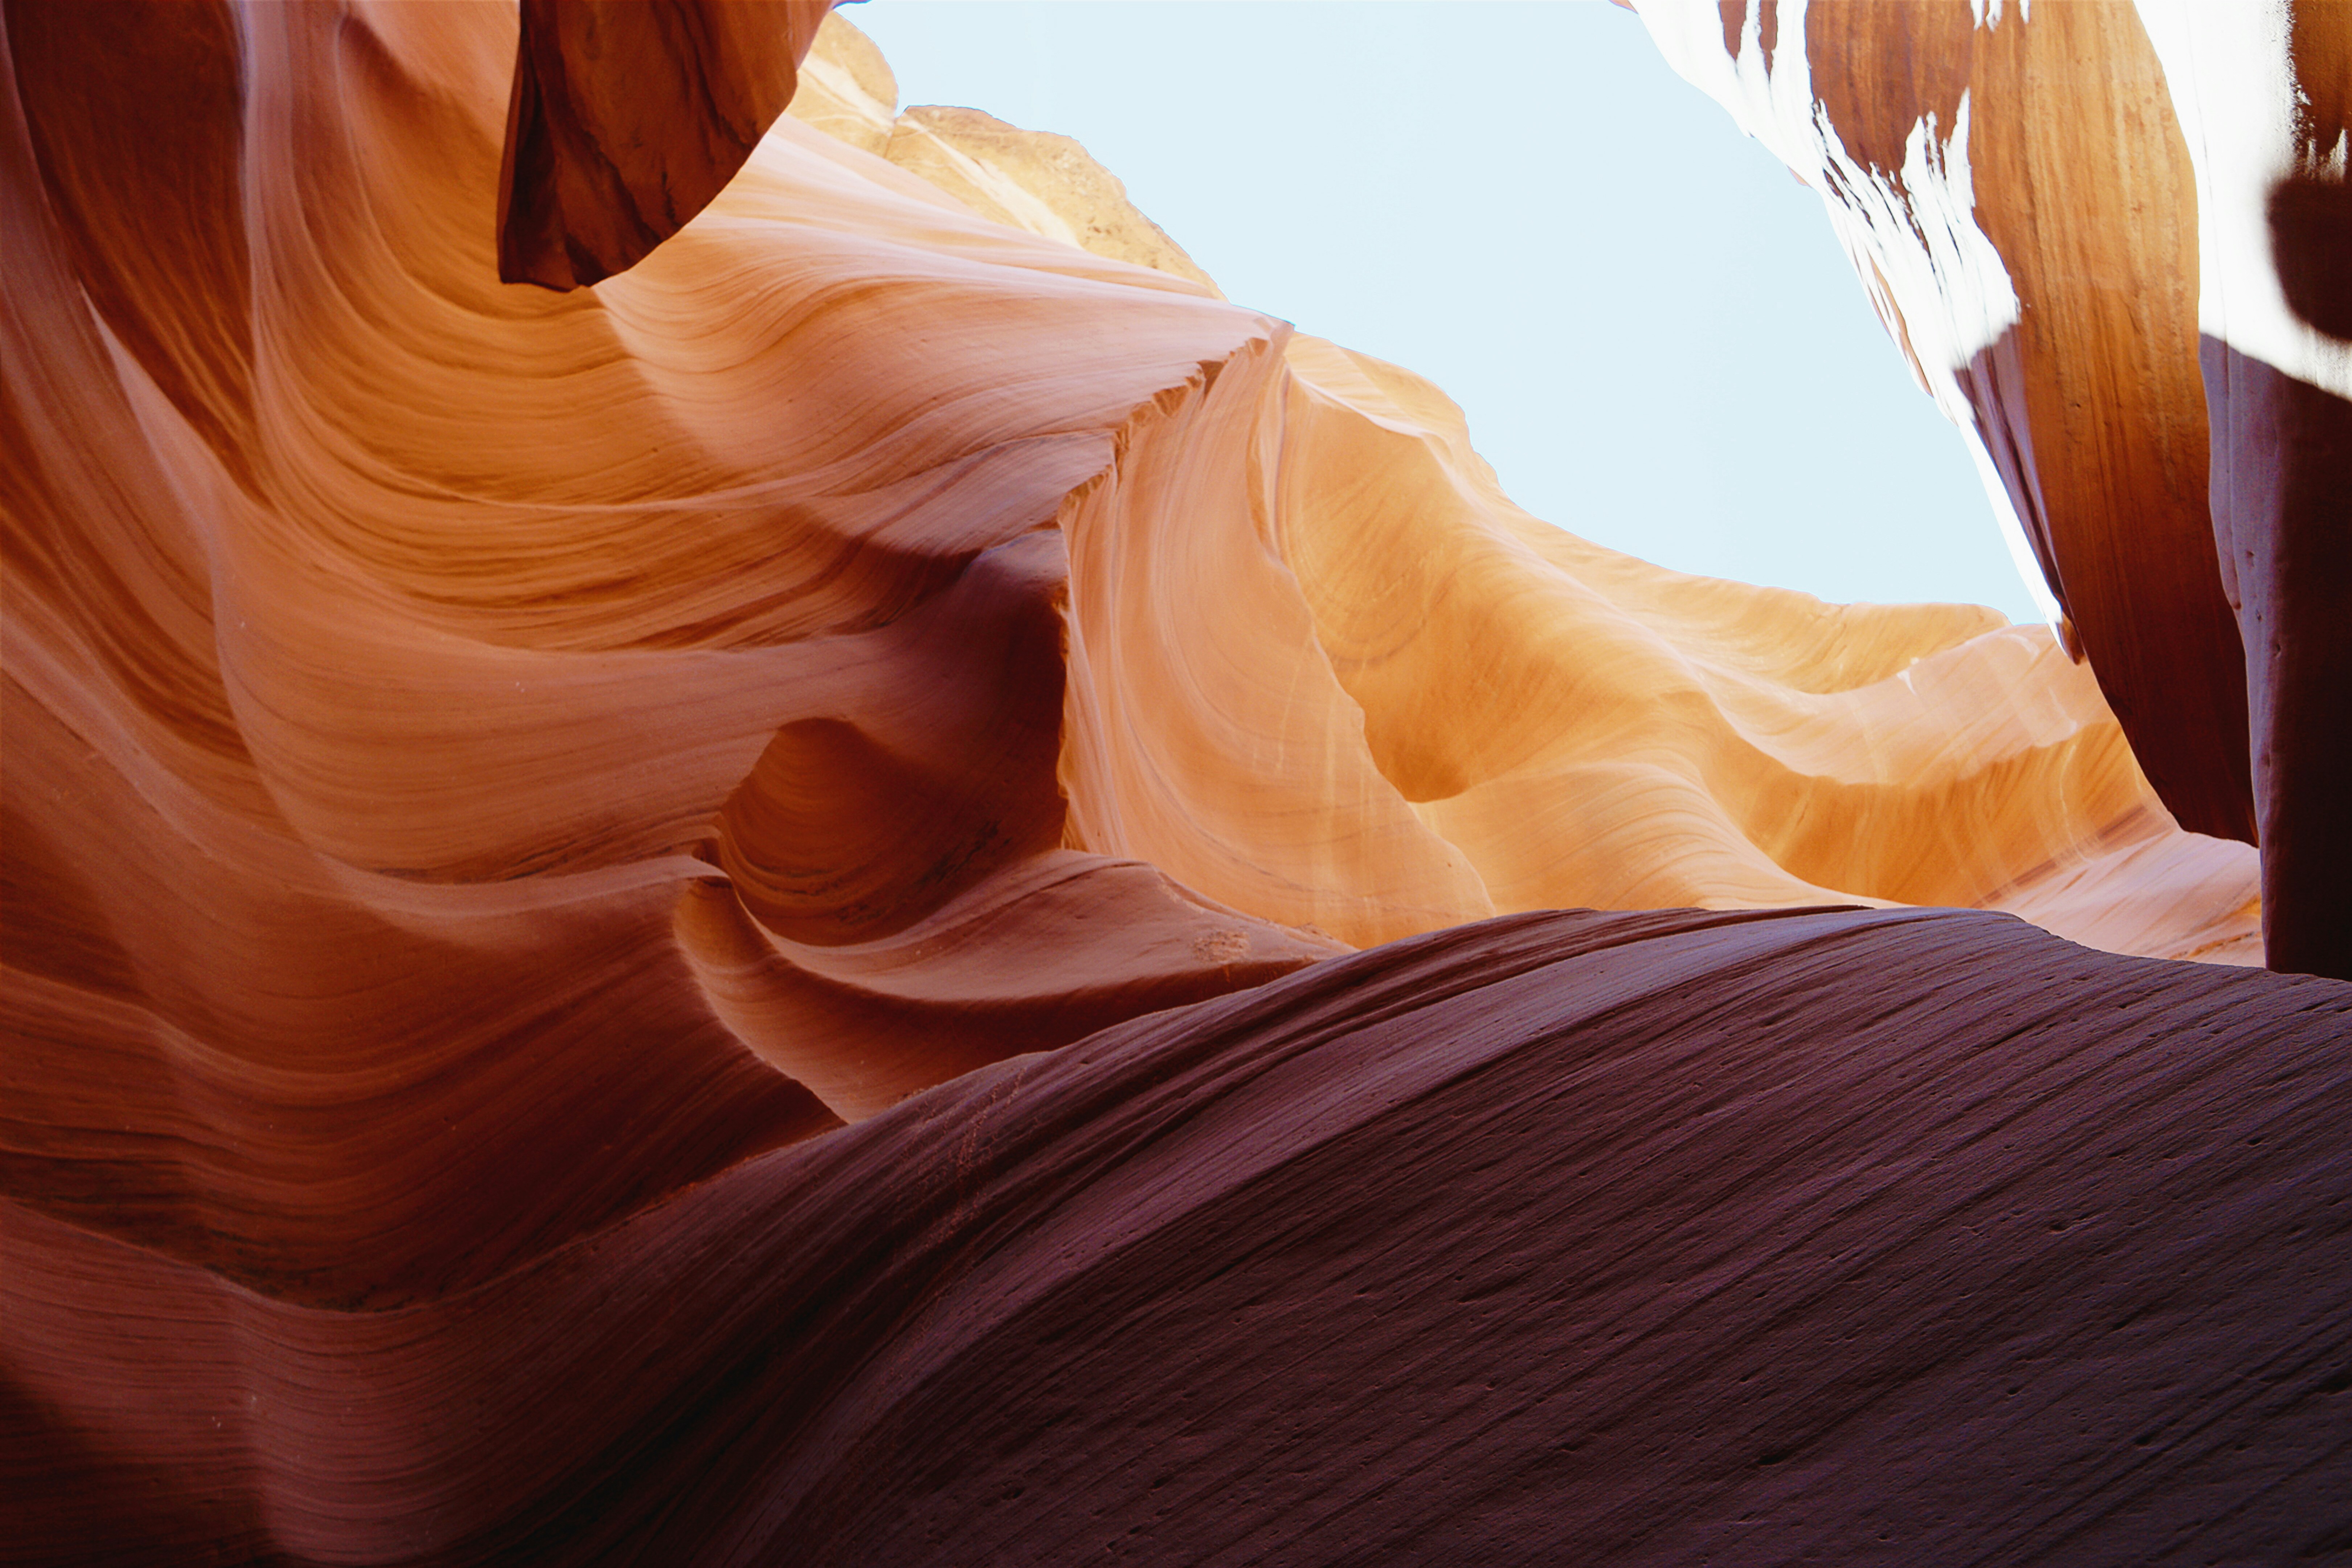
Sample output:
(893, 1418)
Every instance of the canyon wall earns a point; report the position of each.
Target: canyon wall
(2114, 241)
(855, 874)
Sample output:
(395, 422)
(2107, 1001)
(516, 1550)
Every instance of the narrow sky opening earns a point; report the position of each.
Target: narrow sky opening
(1656, 340)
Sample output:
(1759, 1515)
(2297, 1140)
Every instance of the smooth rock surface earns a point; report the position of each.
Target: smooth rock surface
(707, 919)
(2268, 90)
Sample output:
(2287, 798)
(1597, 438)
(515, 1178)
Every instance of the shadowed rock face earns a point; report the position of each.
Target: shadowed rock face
(2273, 113)
(628, 116)
(1908, 1237)
(147, 226)
(711, 920)
(2284, 451)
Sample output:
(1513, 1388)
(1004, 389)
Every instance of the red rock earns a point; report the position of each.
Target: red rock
(628, 117)
(2017, 192)
(706, 919)
(1912, 1236)
(2070, 342)
(2271, 102)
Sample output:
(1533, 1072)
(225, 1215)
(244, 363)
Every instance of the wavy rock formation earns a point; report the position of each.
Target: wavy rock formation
(1904, 1238)
(561, 843)
(2018, 202)
(2113, 310)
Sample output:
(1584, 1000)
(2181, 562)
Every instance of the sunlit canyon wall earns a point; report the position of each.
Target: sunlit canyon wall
(743, 840)
(2114, 243)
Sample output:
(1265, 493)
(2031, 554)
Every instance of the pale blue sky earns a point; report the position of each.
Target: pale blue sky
(1657, 341)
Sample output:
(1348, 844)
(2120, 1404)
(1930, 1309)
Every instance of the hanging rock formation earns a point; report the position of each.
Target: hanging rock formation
(628, 116)
(713, 918)
(2113, 242)
(2268, 99)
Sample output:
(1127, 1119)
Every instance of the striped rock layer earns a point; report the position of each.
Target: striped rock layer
(880, 892)
(2114, 243)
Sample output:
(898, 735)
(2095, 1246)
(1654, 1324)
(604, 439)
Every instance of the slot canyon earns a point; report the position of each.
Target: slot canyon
(735, 835)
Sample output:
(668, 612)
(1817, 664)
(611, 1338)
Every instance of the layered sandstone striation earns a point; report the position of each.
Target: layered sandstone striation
(554, 834)
(1906, 1237)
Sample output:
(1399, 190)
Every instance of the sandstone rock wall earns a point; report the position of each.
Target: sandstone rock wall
(708, 917)
(2112, 240)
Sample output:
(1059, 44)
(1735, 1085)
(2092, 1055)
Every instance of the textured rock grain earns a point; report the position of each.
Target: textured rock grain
(1897, 1236)
(707, 919)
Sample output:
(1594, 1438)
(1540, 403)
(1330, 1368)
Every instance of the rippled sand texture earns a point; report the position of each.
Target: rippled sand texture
(498, 777)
